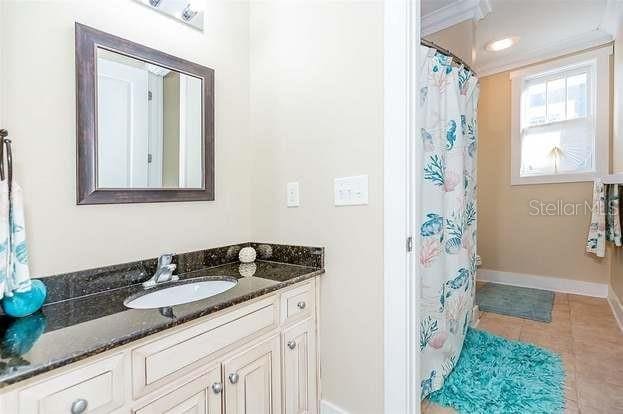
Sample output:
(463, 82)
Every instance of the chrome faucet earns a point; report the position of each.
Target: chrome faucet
(164, 273)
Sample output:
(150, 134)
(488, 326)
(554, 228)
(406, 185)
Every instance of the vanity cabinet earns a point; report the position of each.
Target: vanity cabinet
(258, 357)
(299, 368)
(253, 380)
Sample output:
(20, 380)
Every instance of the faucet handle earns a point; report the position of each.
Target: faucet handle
(165, 259)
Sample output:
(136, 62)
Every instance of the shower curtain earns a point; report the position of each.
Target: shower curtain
(446, 212)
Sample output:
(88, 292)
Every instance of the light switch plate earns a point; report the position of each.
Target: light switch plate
(351, 191)
(292, 194)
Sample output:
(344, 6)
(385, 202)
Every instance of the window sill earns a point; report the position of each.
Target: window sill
(554, 179)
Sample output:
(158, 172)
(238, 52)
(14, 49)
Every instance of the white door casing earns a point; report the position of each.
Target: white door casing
(401, 286)
(156, 132)
(123, 125)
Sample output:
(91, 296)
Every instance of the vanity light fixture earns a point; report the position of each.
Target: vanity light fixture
(501, 44)
(188, 13)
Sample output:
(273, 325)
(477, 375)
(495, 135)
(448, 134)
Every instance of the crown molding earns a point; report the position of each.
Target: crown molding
(574, 44)
(454, 13)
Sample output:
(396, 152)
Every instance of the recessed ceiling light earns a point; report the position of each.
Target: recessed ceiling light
(501, 44)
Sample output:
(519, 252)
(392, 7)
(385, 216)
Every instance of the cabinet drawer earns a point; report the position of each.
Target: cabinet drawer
(196, 396)
(297, 303)
(99, 384)
(163, 360)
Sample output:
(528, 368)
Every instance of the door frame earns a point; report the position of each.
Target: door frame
(401, 287)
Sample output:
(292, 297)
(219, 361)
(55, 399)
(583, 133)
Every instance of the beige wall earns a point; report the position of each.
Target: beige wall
(171, 130)
(616, 277)
(509, 238)
(317, 114)
(39, 95)
(459, 39)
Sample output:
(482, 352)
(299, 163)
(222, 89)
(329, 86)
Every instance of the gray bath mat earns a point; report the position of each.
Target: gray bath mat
(516, 301)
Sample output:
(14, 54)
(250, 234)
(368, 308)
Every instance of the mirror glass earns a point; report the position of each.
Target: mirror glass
(149, 125)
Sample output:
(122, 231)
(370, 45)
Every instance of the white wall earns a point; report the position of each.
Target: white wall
(39, 78)
(316, 114)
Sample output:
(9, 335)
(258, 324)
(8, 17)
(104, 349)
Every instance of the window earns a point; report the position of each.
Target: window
(560, 121)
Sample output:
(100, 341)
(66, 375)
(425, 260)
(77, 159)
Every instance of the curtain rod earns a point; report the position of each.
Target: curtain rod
(446, 52)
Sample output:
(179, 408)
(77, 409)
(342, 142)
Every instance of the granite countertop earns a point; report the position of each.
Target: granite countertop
(75, 328)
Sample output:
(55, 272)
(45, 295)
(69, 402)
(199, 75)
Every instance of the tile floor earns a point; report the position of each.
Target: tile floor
(584, 332)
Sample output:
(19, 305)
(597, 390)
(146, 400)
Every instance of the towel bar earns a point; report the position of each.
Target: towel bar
(612, 179)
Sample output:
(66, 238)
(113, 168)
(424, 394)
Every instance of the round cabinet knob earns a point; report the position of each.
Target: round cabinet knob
(217, 387)
(301, 305)
(233, 378)
(292, 344)
(79, 406)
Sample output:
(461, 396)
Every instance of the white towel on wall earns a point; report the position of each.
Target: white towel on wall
(596, 242)
(14, 271)
(613, 219)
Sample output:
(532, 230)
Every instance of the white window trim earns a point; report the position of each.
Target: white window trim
(601, 112)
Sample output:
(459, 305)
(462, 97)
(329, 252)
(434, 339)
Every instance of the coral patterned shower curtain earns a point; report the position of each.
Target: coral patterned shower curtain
(446, 214)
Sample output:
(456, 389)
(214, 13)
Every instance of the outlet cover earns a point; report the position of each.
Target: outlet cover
(292, 194)
(351, 191)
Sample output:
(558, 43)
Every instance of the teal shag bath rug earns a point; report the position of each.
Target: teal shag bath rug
(527, 303)
(496, 375)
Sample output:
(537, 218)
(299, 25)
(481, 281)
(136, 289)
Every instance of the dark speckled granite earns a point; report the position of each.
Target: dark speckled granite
(87, 282)
(87, 315)
(300, 255)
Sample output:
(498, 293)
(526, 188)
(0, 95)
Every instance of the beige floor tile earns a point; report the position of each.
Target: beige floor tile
(568, 360)
(438, 409)
(560, 325)
(599, 395)
(593, 348)
(586, 300)
(611, 336)
(559, 341)
(585, 409)
(571, 407)
(590, 313)
(501, 328)
(511, 320)
(562, 309)
(571, 388)
(561, 299)
(593, 368)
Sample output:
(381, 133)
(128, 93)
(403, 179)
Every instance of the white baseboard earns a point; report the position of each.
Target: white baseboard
(617, 307)
(556, 284)
(329, 408)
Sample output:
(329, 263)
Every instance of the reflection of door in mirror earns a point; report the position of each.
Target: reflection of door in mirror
(149, 125)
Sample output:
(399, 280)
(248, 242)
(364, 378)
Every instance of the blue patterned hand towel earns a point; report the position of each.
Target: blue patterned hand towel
(14, 271)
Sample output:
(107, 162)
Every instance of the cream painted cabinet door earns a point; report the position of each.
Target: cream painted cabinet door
(253, 380)
(203, 395)
(299, 369)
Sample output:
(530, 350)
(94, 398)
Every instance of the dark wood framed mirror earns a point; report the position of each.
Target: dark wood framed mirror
(145, 123)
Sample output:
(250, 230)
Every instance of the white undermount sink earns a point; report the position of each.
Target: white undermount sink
(179, 293)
